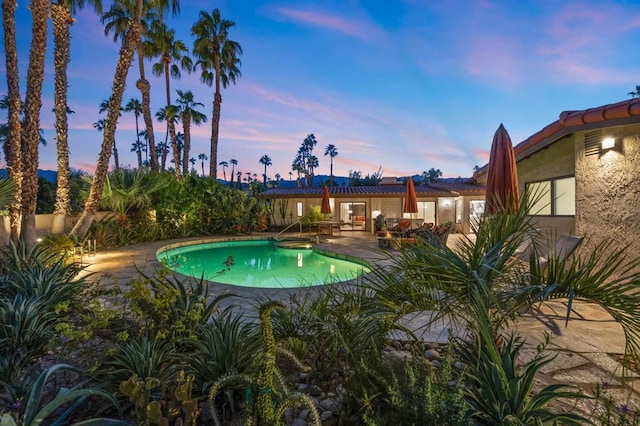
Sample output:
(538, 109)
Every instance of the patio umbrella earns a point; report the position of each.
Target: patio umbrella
(325, 207)
(502, 176)
(410, 199)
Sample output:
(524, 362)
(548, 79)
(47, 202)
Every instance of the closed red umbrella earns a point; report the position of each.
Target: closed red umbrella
(502, 176)
(410, 199)
(325, 207)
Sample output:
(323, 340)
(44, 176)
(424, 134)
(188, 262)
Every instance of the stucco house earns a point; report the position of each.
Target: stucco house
(356, 207)
(587, 163)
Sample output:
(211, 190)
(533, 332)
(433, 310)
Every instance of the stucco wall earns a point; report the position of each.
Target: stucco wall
(556, 161)
(608, 192)
(43, 225)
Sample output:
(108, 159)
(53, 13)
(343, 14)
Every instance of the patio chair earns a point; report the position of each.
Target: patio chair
(563, 248)
(400, 229)
(437, 235)
(424, 227)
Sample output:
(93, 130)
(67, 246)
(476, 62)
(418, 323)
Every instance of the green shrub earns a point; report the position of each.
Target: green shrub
(170, 306)
(416, 393)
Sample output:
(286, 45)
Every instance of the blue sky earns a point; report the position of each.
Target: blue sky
(403, 85)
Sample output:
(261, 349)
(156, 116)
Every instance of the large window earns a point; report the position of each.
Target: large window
(426, 212)
(553, 197)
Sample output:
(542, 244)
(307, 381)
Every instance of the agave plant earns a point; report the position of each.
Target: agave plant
(58, 410)
(226, 344)
(141, 357)
(26, 325)
(39, 273)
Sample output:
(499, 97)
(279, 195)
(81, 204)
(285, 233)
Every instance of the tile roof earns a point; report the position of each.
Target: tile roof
(625, 112)
(434, 190)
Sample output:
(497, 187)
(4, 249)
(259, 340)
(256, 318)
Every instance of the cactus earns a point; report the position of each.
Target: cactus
(267, 394)
(172, 400)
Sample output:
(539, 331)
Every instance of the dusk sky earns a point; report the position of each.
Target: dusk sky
(403, 85)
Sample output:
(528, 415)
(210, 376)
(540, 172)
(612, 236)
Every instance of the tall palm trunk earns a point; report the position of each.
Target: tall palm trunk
(215, 125)
(174, 147)
(33, 105)
(186, 128)
(125, 58)
(215, 117)
(13, 148)
(116, 159)
(138, 147)
(61, 18)
(145, 90)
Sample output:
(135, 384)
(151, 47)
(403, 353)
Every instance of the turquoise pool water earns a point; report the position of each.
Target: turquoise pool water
(261, 264)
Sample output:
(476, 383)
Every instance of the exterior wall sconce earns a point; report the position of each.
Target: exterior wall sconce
(610, 143)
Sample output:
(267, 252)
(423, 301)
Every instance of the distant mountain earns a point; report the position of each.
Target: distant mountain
(49, 175)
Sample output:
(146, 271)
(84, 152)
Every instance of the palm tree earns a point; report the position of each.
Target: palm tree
(99, 125)
(636, 93)
(224, 165)
(332, 152)
(313, 164)
(61, 17)
(234, 163)
(32, 107)
(298, 166)
(118, 19)
(238, 183)
(135, 107)
(160, 42)
(125, 58)
(188, 114)
(12, 146)
(169, 113)
(265, 160)
(219, 64)
(290, 176)
(203, 157)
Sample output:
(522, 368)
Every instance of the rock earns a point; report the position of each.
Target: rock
(302, 387)
(326, 415)
(330, 404)
(303, 414)
(436, 363)
(397, 357)
(458, 365)
(299, 422)
(288, 415)
(432, 354)
(315, 391)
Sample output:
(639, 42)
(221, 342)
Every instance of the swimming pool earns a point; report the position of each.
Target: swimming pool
(260, 263)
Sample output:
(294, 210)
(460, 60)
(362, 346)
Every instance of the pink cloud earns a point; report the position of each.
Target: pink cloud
(361, 30)
(495, 58)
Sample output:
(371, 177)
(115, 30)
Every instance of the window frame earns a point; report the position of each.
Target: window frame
(552, 189)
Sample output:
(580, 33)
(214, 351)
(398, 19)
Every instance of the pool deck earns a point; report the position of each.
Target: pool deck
(588, 350)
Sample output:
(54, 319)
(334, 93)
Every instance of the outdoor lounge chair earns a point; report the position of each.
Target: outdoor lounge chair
(437, 235)
(400, 229)
(563, 248)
